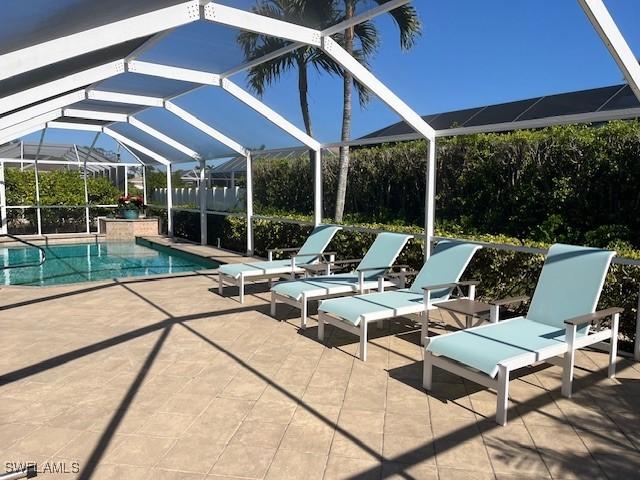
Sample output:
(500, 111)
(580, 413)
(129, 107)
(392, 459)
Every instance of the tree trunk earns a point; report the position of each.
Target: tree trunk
(343, 173)
(303, 89)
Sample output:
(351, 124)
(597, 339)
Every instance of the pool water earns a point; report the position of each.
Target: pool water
(74, 263)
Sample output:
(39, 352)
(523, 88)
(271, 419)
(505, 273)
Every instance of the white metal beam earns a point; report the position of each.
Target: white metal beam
(245, 20)
(122, 139)
(363, 17)
(163, 138)
(55, 87)
(174, 73)
(202, 197)
(366, 78)
(125, 98)
(606, 27)
(200, 125)
(269, 114)
(249, 200)
(15, 131)
(317, 188)
(430, 200)
(95, 115)
(169, 201)
(3, 201)
(39, 109)
(62, 48)
(87, 127)
(4, 138)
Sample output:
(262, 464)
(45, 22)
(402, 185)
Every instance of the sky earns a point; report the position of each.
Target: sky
(471, 53)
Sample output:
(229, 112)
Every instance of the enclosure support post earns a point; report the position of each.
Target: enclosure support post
(317, 188)
(202, 190)
(86, 198)
(169, 202)
(249, 207)
(3, 202)
(38, 214)
(636, 345)
(126, 180)
(430, 199)
(144, 184)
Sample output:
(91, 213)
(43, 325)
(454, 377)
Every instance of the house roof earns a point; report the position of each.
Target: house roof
(606, 99)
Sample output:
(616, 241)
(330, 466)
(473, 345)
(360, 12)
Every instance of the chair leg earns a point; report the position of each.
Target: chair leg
(613, 352)
(241, 289)
(273, 305)
(503, 395)
(303, 313)
(424, 329)
(569, 362)
(363, 341)
(220, 283)
(320, 327)
(427, 371)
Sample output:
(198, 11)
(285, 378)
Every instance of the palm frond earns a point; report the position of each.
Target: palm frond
(408, 21)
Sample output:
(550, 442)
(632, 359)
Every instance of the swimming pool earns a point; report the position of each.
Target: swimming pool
(72, 263)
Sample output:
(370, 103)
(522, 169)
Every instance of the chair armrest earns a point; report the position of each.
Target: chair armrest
(345, 262)
(509, 300)
(593, 317)
(271, 251)
(370, 269)
(292, 249)
(428, 288)
(406, 273)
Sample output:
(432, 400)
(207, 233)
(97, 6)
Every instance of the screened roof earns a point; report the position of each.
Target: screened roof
(161, 77)
(175, 35)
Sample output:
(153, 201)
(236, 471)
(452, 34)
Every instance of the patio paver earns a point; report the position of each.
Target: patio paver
(164, 379)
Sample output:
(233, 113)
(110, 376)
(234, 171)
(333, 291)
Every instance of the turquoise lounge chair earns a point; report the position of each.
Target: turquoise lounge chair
(441, 273)
(557, 323)
(309, 253)
(379, 258)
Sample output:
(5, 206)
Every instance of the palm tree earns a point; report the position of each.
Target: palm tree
(317, 14)
(409, 25)
(361, 41)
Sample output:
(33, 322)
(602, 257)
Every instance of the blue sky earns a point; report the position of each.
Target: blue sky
(471, 53)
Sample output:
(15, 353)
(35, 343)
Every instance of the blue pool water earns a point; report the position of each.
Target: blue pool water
(94, 261)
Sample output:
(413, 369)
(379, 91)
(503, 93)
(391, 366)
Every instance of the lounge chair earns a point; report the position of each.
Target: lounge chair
(379, 258)
(440, 275)
(309, 253)
(557, 323)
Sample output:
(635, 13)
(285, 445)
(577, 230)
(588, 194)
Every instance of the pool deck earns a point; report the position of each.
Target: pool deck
(164, 379)
(218, 255)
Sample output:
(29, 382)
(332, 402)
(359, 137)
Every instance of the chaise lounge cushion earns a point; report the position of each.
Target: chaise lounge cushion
(319, 286)
(352, 310)
(484, 348)
(256, 269)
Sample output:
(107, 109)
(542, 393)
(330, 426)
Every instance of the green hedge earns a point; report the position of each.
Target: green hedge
(577, 184)
(501, 273)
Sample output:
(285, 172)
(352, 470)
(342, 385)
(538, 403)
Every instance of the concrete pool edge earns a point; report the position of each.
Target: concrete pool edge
(218, 255)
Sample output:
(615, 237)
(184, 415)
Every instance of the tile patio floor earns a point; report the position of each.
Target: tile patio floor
(163, 379)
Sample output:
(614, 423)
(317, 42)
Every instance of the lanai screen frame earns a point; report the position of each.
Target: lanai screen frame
(34, 109)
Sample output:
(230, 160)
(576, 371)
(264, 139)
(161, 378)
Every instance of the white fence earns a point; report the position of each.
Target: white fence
(219, 199)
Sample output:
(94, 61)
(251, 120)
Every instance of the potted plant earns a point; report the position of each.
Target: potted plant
(129, 206)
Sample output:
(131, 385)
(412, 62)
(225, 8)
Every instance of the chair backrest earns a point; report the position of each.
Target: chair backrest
(570, 284)
(447, 263)
(382, 253)
(317, 241)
